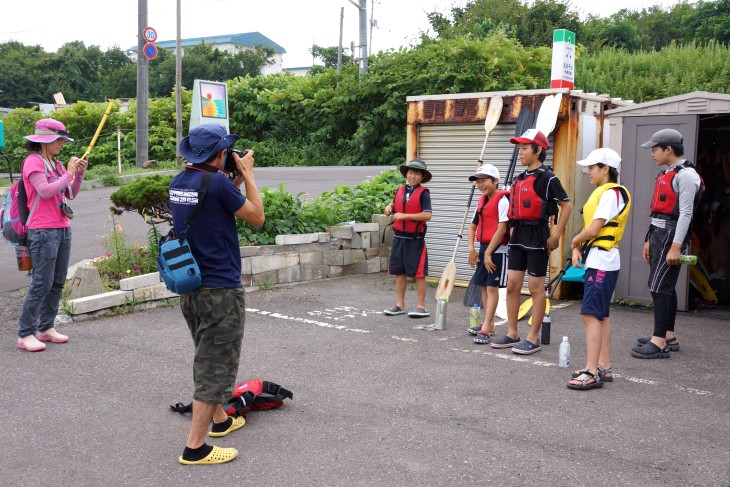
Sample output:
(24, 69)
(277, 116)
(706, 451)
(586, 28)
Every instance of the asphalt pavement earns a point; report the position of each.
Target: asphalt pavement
(375, 401)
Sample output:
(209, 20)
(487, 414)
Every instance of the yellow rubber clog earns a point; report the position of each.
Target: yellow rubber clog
(217, 455)
(235, 424)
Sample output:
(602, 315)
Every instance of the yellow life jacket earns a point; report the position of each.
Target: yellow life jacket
(610, 235)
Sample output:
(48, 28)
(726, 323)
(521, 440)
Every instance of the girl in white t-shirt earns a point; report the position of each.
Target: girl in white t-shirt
(596, 248)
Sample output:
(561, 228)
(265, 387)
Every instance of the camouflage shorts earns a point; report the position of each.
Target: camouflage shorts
(216, 318)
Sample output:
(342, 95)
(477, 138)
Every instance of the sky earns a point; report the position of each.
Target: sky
(293, 24)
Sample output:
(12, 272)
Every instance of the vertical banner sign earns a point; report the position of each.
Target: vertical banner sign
(210, 103)
(562, 74)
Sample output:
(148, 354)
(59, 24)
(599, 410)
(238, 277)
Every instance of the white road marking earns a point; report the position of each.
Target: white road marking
(410, 340)
(305, 320)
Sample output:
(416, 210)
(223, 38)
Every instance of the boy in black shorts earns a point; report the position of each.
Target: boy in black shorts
(535, 197)
(489, 228)
(411, 209)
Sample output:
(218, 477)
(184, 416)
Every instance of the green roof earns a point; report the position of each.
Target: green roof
(247, 39)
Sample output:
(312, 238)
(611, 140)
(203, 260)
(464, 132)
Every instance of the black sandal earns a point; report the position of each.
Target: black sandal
(602, 373)
(585, 384)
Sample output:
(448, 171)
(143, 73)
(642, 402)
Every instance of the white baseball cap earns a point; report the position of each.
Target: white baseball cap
(485, 170)
(605, 156)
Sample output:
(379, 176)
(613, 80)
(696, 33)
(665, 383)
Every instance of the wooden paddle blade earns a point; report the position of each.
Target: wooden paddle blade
(524, 308)
(446, 283)
(494, 111)
(502, 304)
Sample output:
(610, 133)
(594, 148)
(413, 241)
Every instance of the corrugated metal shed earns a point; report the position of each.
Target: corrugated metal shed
(447, 131)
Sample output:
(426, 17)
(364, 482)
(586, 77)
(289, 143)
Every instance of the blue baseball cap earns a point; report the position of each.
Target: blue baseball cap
(205, 140)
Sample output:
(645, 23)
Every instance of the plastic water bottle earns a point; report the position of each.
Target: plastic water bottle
(441, 303)
(545, 330)
(474, 316)
(564, 353)
(688, 259)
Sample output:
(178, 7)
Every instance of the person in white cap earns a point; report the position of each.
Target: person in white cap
(677, 192)
(489, 228)
(596, 248)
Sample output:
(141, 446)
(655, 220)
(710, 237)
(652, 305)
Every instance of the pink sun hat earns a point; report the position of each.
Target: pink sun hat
(47, 130)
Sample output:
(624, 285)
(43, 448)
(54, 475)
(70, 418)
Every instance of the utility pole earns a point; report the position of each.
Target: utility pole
(363, 8)
(339, 47)
(178, 87)
(142, 87)
(372, 23)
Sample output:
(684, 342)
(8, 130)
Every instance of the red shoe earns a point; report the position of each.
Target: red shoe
(32, 345)
(51, 335)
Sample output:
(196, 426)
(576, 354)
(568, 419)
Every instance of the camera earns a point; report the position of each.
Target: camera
(230, 165)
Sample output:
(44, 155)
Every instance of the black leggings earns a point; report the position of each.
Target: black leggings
(665, 313)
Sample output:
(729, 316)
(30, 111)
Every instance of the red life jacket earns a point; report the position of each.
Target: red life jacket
(526, 206)
(413, 205)
(488, 211)
(665, 202)
(252, 395)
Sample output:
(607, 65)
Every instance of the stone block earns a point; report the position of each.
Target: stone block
(388, 236)
(375, 239)
(381, 220)
(356, 268)
(87, 282)
(264, 263)
(153, 293)
(268, 277)
(246, 265)
(366, 240)
(301, 238)
(136, 282)
(353, 256)
(384, 261)
(313, 247)
(250, 251)
(334, 257)
(314, 272)
(274, 249)
(335, 271)
(289, 274)
(342, 231)
(384, 251)
(356, 242)
(324, 237)
(311, 258)
(100, 301)
(371, 253)
(366, 227)
(373, 265)
(344, 244)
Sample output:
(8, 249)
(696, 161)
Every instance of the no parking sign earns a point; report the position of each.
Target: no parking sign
(149, 50)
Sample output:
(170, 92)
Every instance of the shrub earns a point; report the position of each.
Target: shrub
(285, 213)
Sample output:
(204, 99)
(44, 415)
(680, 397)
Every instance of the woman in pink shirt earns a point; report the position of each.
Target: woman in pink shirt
(48, 185)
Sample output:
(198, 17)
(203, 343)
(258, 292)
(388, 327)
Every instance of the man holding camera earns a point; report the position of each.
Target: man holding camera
(215, 313)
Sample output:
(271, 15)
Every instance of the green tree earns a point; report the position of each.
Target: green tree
(328, 55)
(23, 76)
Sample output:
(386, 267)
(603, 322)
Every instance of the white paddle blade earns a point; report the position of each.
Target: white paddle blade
(546, 112)
(502, 304)
(446, 284)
